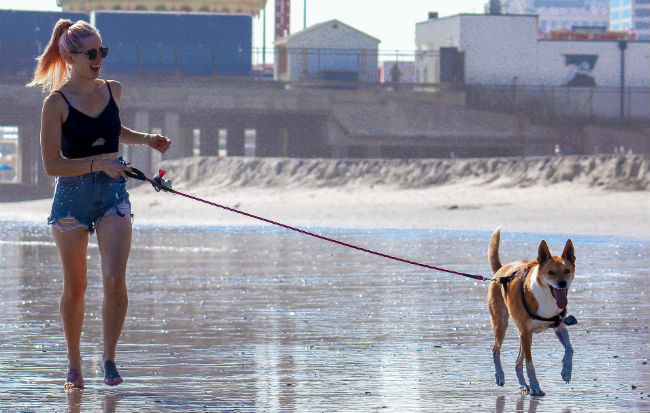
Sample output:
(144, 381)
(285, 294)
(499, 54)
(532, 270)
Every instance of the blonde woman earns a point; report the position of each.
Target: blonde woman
(80, 134)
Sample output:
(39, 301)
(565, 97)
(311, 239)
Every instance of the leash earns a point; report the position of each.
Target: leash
(160, 184)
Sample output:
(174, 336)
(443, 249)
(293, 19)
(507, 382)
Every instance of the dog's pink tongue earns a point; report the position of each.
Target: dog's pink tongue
(560, 297)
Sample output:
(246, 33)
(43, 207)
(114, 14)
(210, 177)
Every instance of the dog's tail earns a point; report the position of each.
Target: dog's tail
(493, 251)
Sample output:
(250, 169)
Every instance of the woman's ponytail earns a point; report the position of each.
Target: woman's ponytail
(51, 69)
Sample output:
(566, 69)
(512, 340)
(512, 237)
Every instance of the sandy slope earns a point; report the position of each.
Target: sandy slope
(398, 194)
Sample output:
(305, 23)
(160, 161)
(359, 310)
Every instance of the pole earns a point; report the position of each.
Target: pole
(622, 45)
(264, 38)
(304, 15)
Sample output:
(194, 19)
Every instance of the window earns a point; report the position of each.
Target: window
(626, 14)
(642, 12)
(9, 154)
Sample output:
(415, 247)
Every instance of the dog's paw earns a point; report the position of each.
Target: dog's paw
(500, 378)
(567, 366)
(536, 391)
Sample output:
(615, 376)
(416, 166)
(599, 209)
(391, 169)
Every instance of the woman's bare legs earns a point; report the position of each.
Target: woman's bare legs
(72, 246)
(114, 239)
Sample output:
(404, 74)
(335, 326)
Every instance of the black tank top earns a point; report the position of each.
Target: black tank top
(83, 136)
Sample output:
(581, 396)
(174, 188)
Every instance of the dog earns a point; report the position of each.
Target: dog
(534, 295)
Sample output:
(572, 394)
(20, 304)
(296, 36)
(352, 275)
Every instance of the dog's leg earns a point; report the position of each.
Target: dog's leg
(499, 318)
(519, 369)
(562, 334)
(499, 334)
(526, 344)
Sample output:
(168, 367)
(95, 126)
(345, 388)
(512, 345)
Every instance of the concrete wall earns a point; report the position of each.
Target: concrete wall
(552, 68)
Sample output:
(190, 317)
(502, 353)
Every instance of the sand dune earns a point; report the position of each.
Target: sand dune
(567, 195)
(631, 172)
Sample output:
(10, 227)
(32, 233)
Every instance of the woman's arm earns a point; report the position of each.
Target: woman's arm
(56, 165)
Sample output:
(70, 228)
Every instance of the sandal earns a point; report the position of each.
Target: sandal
(73, 380)
(111, 376)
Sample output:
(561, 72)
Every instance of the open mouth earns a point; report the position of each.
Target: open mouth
(95, 68)
(560, 295)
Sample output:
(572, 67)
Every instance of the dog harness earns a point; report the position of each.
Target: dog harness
(557, 320)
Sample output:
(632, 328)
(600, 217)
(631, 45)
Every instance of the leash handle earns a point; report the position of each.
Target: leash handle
(136, 174)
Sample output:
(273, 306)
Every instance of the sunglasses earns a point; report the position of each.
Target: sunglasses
(94, 53)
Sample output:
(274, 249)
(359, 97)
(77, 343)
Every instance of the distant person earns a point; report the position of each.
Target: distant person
(80, 133)
(395, 73)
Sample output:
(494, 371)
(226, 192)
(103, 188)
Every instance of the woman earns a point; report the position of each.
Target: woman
(80, 133)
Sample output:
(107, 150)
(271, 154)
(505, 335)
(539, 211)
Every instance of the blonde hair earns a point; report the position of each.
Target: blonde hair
(52, 70)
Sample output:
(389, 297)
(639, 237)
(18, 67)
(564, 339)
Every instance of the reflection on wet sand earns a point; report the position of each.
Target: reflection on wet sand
(255, 319)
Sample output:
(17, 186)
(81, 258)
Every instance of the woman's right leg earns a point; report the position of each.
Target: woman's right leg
(72, 246)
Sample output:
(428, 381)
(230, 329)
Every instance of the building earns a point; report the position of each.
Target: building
(188, 44)
(564, 14)
(631, 15)
(24, 35)
(331, 50)
(506, 50)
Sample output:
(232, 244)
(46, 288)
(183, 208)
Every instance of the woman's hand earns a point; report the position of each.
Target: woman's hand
(110, 167)
(158, 142)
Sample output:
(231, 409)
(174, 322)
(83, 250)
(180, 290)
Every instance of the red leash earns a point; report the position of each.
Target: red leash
(159, 185)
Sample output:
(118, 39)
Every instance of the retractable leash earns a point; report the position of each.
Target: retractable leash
(165, 185)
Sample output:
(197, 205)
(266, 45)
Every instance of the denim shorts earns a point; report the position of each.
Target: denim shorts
(82, 201)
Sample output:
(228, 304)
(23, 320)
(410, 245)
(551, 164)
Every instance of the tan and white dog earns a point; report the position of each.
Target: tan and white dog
(534, 294)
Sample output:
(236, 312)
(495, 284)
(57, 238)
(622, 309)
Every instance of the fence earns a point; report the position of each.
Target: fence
(553, 102)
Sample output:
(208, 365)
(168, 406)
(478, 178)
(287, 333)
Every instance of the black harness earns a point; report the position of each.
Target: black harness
(557, 320)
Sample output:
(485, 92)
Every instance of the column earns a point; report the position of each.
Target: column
(235, 140)
(172, 129)
(140, 155)
(209, 141)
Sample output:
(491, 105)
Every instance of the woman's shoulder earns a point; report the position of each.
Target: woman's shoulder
(116, 88)
(54, 101)
(114, 84)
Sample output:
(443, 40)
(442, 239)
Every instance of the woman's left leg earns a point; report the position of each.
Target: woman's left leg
(114, 240)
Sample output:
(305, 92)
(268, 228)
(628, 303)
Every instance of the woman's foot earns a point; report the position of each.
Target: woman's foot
(73, 380)
(111, 376)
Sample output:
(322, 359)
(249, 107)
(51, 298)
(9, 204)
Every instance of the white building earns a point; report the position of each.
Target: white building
(331, 50)
(505, 49)
(564, 14)
(631, 15)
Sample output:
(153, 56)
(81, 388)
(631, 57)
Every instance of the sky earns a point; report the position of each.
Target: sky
(390, 21)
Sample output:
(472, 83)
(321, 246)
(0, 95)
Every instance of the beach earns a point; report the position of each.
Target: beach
(601, 195)
(230, 313)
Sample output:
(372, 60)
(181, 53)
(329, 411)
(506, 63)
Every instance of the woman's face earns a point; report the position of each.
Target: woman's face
(80, 61)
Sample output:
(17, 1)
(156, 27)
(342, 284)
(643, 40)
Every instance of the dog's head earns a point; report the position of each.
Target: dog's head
(557, 272)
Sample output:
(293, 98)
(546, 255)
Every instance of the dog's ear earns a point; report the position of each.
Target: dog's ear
(543, 253)
(569, 253)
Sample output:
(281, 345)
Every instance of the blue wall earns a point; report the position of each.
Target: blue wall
(24, 35)
(169, 43)
(139, 43)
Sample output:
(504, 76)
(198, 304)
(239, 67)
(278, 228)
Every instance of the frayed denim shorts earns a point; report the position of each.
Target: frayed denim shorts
(82, 201)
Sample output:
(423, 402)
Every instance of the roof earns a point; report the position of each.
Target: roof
(318, 26)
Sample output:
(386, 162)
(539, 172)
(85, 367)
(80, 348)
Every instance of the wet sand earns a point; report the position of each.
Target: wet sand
(259, 319)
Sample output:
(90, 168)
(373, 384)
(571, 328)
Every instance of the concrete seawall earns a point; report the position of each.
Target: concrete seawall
(624, 173)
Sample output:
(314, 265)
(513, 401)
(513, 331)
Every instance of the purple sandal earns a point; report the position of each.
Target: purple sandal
(73, 380)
